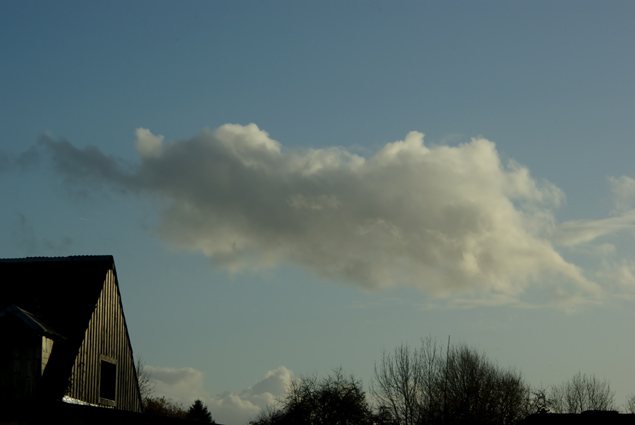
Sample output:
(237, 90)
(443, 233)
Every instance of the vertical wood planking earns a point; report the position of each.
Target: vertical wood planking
(106, 334)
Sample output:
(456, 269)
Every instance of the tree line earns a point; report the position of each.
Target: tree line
(437, 385)
(432, 384)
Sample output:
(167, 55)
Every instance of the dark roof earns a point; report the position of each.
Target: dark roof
(61, 293)
(30, 321)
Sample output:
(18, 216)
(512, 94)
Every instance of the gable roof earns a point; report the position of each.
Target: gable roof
(62, 291)
(58, 294)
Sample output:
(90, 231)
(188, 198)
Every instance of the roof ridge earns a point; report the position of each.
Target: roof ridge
(59, 259)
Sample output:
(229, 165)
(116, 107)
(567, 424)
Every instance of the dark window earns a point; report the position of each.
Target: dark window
(108, 381)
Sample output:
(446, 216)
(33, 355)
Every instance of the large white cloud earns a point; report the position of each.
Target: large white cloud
(446, 219)
(185, 385)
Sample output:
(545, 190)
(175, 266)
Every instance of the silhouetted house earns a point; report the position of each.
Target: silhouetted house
(63, 333)
(588, 417)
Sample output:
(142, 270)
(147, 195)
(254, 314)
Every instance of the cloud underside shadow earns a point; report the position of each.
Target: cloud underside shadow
(449, 220)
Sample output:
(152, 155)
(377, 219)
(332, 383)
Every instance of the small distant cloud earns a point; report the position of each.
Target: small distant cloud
(177, 380)
(185, 385)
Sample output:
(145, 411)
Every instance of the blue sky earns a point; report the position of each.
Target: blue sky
(260, 174)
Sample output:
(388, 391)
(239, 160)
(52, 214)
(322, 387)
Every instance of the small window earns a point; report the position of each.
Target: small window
(108, 380)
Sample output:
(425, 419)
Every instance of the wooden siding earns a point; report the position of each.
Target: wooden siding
(47, 347)
(106, 337)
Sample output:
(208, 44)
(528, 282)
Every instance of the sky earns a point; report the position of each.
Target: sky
(292, 187)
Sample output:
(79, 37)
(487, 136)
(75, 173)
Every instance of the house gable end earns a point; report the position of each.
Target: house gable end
(103, 372)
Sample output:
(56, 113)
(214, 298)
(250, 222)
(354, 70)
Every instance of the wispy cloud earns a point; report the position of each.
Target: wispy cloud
(573, 233)
(489, 301)
(446, 219)
(577, 232)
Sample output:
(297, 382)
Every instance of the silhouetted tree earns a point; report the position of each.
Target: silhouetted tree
(479, 392)
(163, 406)
(334, 400)
(199, 412)
(458, 385)
(144, 379)
(540, 401)
(580, 393)
(407, 382)
(629, 406)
